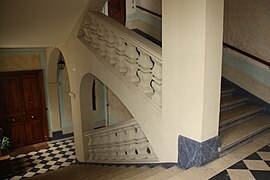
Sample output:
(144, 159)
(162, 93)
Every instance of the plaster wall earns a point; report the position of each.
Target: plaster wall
(246, 26)
(117, 110)
(32, 23)
(9, 62)
(152, 5)
(246, 73)
(65, 101)
(191, 95)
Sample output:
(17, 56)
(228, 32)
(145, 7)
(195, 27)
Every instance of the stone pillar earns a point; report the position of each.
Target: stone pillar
(192, 56)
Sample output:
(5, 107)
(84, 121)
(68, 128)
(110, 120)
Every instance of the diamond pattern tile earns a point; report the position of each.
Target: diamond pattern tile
(60, 154)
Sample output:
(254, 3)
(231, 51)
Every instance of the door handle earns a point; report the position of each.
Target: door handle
(13, 120)
(32, 117)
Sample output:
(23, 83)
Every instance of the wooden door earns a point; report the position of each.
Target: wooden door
(11, 106)
(117, 10)
(23, 107)
(31, 104)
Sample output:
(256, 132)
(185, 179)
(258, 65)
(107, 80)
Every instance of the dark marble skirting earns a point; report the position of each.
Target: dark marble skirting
(192, 153)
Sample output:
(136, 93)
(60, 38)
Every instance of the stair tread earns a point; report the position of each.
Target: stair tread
(166, 174)
(226, 90)
(230, 100)
(238, 132)
(238, 113)
(130, 173)
(107, 170)
(148, 173)
(116, 173)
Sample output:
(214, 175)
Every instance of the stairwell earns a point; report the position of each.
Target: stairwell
(240, 121)
(138, 64)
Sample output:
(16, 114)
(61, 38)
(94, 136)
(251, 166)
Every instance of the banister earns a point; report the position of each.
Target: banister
(255, 58)
(137, 59)
(149, 11)
(130, 36)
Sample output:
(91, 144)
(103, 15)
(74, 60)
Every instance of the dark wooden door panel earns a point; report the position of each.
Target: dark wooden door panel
(30, 93)
(16, 130)
(33, 129)
(22, 111)
(117, 10)
(11, 95)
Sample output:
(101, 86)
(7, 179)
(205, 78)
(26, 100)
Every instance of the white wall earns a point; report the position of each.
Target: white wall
(247, 26)
(192, 46)
(152, 5)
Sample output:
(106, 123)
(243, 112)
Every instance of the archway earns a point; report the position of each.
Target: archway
(60, 103)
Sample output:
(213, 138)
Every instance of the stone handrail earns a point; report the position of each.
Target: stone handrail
(122, 142)
(139, 60)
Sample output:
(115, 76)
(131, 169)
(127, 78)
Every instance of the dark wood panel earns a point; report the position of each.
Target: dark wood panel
(16, 130)
(33, 127)
(30, 93)
(117, 10)
(10, 95)
(23, 111)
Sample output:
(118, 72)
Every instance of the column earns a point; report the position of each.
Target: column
(191, 68)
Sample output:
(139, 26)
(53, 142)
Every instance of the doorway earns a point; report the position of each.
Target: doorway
(117, 10)
(22, 107)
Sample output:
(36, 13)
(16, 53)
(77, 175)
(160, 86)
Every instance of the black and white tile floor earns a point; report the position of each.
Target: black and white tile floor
(60, 154)
(254, 166)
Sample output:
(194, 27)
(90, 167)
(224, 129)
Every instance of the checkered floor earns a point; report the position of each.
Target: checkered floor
(60, 154)
(255, 166)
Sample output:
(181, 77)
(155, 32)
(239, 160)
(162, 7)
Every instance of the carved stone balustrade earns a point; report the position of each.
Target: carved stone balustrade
(137, 59)
(122, 142)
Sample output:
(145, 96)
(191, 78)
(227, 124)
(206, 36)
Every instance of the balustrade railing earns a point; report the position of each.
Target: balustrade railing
(122, 142)
(139, 60)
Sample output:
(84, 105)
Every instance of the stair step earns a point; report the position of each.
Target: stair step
(226, 91)
(236, 115)
(107, 170)
(173, 171)
(238, 135)
(116, 173)
(230, 102)
(130, 173)
(148, 173)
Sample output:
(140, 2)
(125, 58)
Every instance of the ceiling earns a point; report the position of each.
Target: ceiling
(37, 23)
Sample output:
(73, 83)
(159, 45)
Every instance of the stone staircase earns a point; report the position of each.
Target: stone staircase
(240, 121)
(113, 172)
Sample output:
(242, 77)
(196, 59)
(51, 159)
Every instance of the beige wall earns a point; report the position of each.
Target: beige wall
(32, 23)
(192, 42)
(117, 110)
(247, 26)
(152, 5)
(9, 62)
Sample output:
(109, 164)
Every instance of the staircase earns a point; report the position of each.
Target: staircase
(113, 172)
(134, 66)
(240, 121)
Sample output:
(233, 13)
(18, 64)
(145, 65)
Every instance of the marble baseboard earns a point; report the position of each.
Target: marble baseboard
(192, 153)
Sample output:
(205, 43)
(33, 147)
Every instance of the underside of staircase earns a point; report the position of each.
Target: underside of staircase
(240, 121)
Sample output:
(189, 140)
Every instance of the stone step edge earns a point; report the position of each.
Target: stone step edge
(244, 140)
(240, 119)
